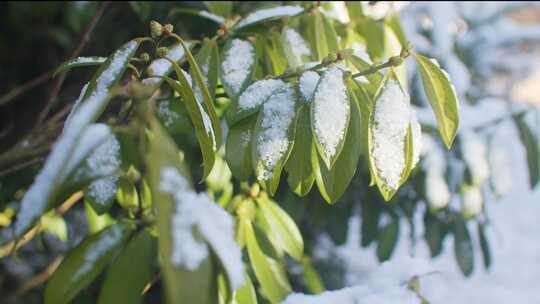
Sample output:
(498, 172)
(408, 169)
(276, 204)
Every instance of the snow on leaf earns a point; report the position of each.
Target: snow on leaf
(295, 47)
(103, 190)
(474, 153)
(269, 13)
(236, 67)
(472, 201)
(197, 211)
(390, 121)
(272, 139)
(307, 83)
(330, 114)
(161, 66)
(258, 92)
(417, 138)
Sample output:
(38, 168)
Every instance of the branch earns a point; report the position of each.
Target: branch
(16, 92)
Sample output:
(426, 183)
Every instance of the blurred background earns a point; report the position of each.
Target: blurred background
(490, 49)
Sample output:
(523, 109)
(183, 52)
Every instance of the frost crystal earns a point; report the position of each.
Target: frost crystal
(295, 47)
(237, 64)
(275, 12)
(195, 212)
(272, 140)
(165, 114)
(308, 83)
(391, 118)
(103, 189)
(108, 240)
(474, 154)
(331, 110)
(258, 92)
(472, 201)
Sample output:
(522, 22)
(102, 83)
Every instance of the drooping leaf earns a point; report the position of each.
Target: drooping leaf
(300, 172)
(532, 149)
(221, 8)
(312, 278)
(435, 232)
(317, 36)
(84, 262)
(208, 60)
(172, 113)
(269, 272)
(484, 245)
(163, 67)
(245, 294)
(280, 228)
(203, 14)
(373, 32)
(130, 271)
(238, 148)
(463, 247)
(330, 34)
(333, 183)
(79, 62)
(388, 237)
(44, 192)
(442, 97)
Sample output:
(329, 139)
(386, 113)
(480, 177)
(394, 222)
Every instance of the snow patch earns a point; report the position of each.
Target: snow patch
(295, 47)
(275, 12)
(258, 92)
(307, 83)
(237, 64)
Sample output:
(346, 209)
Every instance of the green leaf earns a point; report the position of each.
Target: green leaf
(266, 15)
(245, 294)
(388, 237)
(300, 172)
(314, 283)
(46, 192)
(127, 195)
(269, 272)
(484, 245)
(231, 72)
(208, 59)
(199, 81)
(267, 126)
(96, 222)
(370, 216)
(84, 263)
(162, 67)
(392, 47)
(374, 79)
(373, 32)
(203, 14)
(55, 225)
(172, 113)
(280, 228)
(442, 97)
(79, 62)
(331, 36)
(317, 36)
(221, 8)
(321, 101)
(395, 25)
(532, 149)
(101, 192)
(197, 115)
(435, 232)
(238, 148)
(463, 247)
(181, 286)
(130, 271)
(333, 183)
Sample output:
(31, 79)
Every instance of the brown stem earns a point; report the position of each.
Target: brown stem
(80, 46)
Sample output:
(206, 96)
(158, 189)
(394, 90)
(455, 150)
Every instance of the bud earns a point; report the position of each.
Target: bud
(155, 29)
(395, 60)
(168, 29)
(255, 190)
(133, 174)
(330, 58)
(145, 57)
(162, 52)
(221, 32)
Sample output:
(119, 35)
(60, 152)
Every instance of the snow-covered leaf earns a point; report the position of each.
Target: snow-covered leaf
(295, 47)
(532, 149)
(172, 113)
(442, 97)
(43, 194)
(463, 247)
(252, 99)
(388, 237)
(238, 65)
(201, 13)
(333, 183)
(273, 137)
(79, 62)
(268, 14)
(330, 113)
(162, 67)
(124, 283)
(84, 263)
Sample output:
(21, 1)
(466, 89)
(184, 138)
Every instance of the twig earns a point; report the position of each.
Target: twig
(15, 92)
(82, 43)
(39, 278)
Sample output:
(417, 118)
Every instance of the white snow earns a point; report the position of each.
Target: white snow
(359, 50)
(237, 64)
(295, 47)
(108, 240)
(103, 190)
(208, 126)
(500, 164)
(381, 9)
(391, 118)
(338, 10)
(165, 114)
(472, 201)
(213, 17)
(331, 110)
(272, 141)
(416, 138)
(434, 163)
(196, 222)
(275, 12)
(307, 83)
(55, 170)
(258, 92)
(105, 159)
(474, 153)
(84, 60)
(161, 66)
(76, 106)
